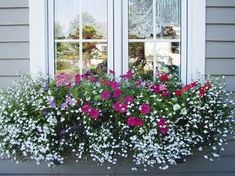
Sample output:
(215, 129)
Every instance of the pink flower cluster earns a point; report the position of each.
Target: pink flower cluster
(93, 112)
(162, 124)
(120, 107)
(135, 121)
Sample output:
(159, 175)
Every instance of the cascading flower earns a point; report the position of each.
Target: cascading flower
(113, 84)
(128, 75)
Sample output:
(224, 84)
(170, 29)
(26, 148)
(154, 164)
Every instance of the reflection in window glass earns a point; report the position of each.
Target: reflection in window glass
(141, 57)
(140, 19)
(95, 58)
(80, 31)
(154, 27)
(67, 58)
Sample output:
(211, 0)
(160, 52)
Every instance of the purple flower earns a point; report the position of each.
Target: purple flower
(52, 103)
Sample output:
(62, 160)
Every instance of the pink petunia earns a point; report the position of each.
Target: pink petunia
(156, 89)
(113, 84)
(86, 108)
(128, 99)
(78, 79)
(94, 113)
(105, 95)
(145, 109)
(163, 87)
(128, 75)
(135, 121)
(117, 93)
(120, 107)
(61, 79)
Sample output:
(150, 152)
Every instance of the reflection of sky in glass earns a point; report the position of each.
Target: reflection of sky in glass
(67, 10)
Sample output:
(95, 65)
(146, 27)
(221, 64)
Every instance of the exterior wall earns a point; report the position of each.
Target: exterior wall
(220, 59)
(14, 40)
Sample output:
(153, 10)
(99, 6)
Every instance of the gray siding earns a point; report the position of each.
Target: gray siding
(220, 59)
(14, 40)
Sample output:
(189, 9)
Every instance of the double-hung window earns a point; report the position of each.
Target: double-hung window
(94, 36)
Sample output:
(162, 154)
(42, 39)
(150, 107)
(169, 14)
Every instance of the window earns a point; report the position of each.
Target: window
(98, 35)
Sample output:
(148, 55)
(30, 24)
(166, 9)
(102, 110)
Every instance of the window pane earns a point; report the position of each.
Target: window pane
(95, 58)
(94, 19)
(168, 18)
(66, 18)
(67, 58)
(141, 57)
(140, 19)
(168, 57)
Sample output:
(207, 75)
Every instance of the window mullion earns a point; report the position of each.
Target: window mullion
(154, 37)
(80, 36)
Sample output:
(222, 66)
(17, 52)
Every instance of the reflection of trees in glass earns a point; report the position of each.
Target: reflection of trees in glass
(68, 53)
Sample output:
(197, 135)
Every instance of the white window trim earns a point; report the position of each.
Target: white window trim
(41, 42)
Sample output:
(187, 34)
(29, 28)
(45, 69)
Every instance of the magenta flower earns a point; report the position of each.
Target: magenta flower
(162, 123)
(128, 75)
(117, 93)
(156, 89)
(105, 95)
(94, 113)
(61, 79)
(78, 79)
(145, 109)
(128, 99)
(120, 107)
(112, 72)
(86, 108)
(135, 121)
(113, 84)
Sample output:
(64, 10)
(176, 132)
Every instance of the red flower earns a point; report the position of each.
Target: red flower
(128, 99)
(86, 108)
(164, 77)
(117, 93)
(105, 95)
(165, 93)
(120, 107)
(145, 109)
(203, 89)
(135, 121)
(94, 113)
(78, 79)
(162, 123)
(178, 93)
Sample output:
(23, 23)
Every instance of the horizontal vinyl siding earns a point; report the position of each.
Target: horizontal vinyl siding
(14, 40)
(220, 60)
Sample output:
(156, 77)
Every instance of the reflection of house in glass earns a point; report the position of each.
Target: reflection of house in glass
(167, 55)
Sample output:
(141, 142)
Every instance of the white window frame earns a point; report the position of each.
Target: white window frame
(193, 38)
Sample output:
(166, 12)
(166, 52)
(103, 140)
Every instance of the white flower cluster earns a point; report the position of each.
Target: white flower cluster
(24, 133)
